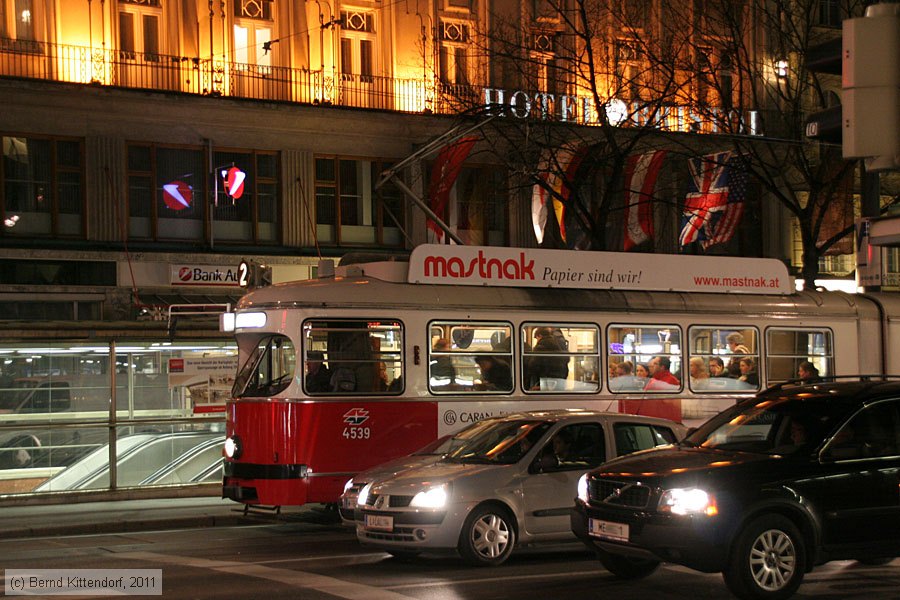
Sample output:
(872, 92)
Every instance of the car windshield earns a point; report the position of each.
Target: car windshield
(498, 442)
(775, 425)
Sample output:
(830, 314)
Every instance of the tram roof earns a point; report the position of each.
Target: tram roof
(368, 292)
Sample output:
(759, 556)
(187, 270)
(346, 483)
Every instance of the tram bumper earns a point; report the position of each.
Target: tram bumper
(276, 485)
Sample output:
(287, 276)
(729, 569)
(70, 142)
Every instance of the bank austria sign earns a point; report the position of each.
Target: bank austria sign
(528, 267)
(203, 275)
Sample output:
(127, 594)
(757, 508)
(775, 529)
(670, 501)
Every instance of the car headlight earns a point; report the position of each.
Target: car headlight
(363, 497)
(348, 485)
(435, 497)
(688, 501)
(233, 447)
(583, 488)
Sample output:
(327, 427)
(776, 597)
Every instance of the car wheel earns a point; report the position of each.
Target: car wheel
(767, 560)
(625, 567)
(487, 537)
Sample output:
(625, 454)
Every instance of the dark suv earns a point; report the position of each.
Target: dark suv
(796, 476)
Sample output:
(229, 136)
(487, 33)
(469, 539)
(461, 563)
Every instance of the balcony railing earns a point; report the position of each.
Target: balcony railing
(120, 68)
(186, 75)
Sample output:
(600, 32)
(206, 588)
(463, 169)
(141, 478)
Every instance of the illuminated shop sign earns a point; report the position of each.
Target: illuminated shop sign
(203, 275)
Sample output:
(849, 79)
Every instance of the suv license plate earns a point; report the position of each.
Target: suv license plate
(607, 530)
(379, 522)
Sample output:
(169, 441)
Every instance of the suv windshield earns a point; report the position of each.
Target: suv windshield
(770, 425)
(498, 442)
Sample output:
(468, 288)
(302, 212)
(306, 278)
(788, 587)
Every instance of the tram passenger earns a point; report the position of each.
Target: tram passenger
(540, 366)
(624, 380)
(717, 367)
(442, 370)
(318, 375)
(749, 376)
(660, 376)
(808, 372)
(495, 374)
(699, 373)
(642, 371)
(735, 341)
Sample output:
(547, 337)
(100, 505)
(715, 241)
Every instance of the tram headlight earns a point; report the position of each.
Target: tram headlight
(233, 447)
(435, 497)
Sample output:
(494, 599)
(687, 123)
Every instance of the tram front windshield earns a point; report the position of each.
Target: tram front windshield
(268, 370)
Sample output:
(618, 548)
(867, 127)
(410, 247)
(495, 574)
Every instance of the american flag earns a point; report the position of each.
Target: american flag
(714, 204)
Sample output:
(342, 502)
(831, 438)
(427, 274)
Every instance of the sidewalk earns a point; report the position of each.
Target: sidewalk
(144, 515)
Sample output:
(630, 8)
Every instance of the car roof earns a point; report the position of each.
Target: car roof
(849, 390)
(565, 414)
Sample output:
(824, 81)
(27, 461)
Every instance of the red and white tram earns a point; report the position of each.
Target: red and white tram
(343, 372)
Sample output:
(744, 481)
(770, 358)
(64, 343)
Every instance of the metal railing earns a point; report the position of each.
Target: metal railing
(180, 74)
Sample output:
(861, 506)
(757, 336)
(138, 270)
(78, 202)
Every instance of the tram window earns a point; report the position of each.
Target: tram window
(723, 358)
(787, 348)
(353, 357)
(645, 358)
(268, 370)
(468, 357)
(560, 358)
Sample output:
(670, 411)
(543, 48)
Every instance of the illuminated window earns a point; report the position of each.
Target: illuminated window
(168, 188)
(139, 33)
(357, 47)
(645, 357)
(786, 348)
(349, 211)
(42, 183)
(454, 60)
(715, 358)
(470, 357)
(560, 358)
(629, 67)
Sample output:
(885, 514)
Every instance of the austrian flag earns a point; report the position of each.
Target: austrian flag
(641, 171)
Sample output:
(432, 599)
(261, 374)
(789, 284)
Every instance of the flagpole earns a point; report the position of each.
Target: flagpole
(428, 212)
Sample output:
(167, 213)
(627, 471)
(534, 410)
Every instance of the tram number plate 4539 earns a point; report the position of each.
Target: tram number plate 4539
(379, 522)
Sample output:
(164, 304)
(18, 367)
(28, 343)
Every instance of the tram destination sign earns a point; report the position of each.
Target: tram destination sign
(527, 267)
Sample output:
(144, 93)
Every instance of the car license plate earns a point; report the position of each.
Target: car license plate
(379, 522)
(617, 532)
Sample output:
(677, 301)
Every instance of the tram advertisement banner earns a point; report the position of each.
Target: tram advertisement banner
(527, 267)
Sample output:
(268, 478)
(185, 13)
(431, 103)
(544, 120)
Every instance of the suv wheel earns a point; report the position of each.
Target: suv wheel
(767, 560)
(487, 537)
(625, 567)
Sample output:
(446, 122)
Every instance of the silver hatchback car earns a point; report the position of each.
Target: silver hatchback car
(508, 482)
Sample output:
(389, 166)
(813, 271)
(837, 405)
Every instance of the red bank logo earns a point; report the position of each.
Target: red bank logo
(185, 273)
(486, 268)
(356, 416)
(176, 365)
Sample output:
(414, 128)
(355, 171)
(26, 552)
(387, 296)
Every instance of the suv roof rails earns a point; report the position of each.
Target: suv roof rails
(832, 379)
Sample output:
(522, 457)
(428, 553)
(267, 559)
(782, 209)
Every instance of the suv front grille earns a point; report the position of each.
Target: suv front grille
(619, 493)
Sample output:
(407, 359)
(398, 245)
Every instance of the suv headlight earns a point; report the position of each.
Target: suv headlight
(688, 501)
(583, 488)
(435, 497)
(347, 486)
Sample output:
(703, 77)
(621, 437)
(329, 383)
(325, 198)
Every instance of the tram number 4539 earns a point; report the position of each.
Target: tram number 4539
(357, 433)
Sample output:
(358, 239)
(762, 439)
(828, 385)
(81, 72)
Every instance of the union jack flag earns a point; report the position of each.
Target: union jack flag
(714, 203)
